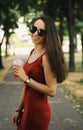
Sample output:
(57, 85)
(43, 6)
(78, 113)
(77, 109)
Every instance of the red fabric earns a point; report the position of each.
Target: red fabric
(36, 114)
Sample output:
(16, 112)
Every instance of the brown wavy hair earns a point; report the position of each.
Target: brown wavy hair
(54, 49)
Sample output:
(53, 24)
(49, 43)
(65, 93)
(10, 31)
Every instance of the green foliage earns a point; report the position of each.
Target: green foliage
(9, 14)
(79, 26)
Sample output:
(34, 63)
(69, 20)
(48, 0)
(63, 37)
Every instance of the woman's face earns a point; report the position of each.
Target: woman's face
(39, 33)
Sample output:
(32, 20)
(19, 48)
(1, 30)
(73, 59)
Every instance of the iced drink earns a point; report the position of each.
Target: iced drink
(17, 62)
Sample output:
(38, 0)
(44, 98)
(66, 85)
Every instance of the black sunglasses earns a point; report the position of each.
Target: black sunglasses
(40, 32)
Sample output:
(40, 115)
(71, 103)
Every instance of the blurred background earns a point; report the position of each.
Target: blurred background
(15, 18)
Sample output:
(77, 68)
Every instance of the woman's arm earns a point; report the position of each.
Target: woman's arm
(17, 114)
(51, 83)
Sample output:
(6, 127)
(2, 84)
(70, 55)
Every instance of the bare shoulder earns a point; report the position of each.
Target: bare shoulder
(46, 63)
(44, 59)
(47, 68)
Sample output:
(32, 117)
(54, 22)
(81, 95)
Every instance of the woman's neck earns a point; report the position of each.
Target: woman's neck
(38, 49)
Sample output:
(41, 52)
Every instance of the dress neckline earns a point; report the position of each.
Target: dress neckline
(36, 59)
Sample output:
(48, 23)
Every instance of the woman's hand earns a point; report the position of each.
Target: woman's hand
(16, 118)
(19, 71)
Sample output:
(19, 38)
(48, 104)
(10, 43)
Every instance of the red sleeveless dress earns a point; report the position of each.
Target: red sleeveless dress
(36, 115)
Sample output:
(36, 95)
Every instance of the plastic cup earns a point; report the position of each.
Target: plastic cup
(17, 62)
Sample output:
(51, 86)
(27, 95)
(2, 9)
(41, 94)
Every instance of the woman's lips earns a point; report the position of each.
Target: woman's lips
(35, 38)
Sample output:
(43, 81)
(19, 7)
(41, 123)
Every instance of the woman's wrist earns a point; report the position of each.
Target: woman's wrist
(27, 80)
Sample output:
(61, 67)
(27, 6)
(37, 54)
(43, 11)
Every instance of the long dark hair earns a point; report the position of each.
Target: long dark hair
(53, 49)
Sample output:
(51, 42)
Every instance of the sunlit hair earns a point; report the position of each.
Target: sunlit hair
(53, 49)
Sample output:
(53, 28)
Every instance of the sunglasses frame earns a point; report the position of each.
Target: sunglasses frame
(40, 32)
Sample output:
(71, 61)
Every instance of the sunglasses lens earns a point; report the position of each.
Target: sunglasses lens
(32, 29)
(41, 32)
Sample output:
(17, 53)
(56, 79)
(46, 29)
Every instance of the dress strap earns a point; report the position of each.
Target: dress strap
(31, 51)
(40, 58)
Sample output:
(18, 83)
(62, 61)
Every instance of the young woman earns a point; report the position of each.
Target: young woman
(44, 68)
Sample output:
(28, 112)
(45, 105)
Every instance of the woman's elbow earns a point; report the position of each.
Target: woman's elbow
(52, 92)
